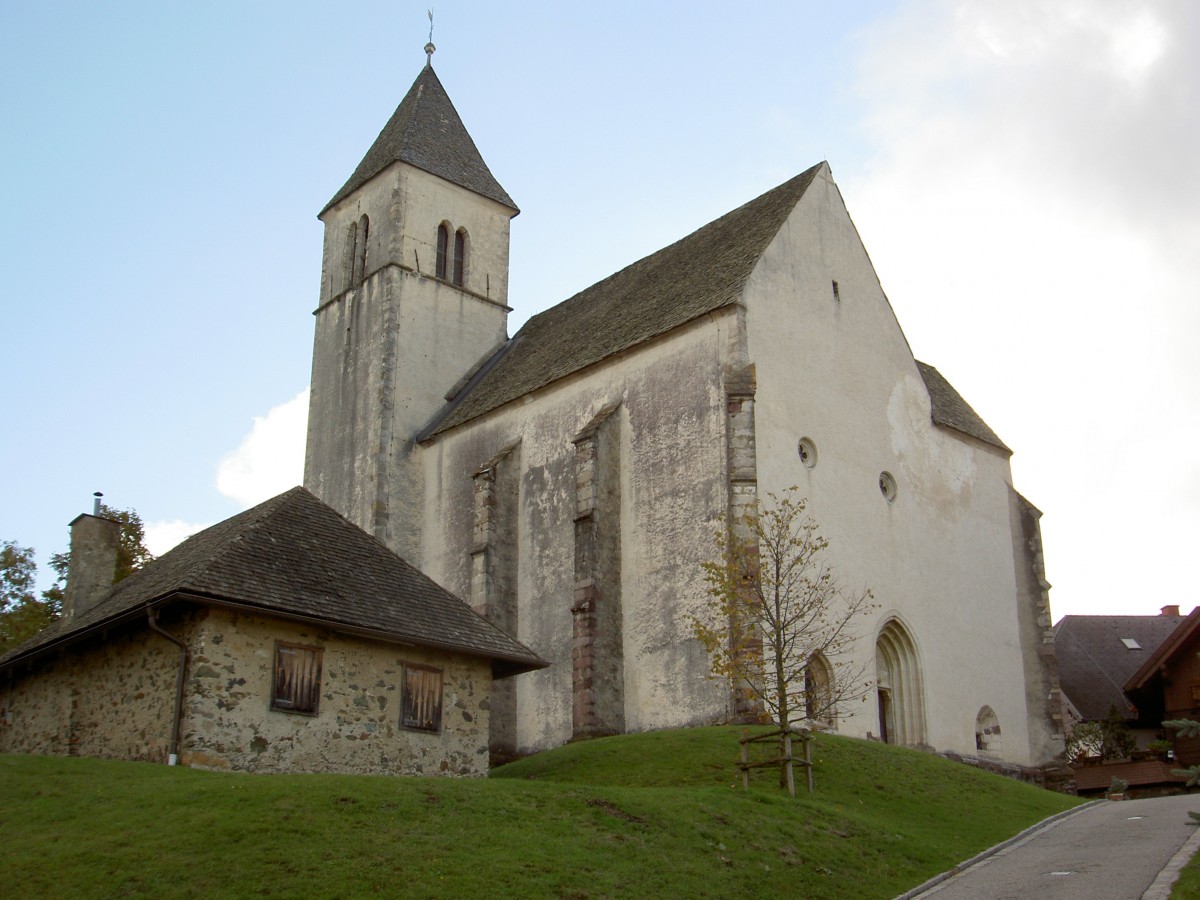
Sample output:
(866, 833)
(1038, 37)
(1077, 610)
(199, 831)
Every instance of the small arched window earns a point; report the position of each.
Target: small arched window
(819, 699)
(987, 732)
(443, 250)
(460, 255)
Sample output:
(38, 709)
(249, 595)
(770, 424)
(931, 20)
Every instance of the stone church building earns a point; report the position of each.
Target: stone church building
(568, 480)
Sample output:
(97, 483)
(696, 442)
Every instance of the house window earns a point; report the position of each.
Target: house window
(443, 249)
(297, 683)
(460, 256)
(422, 698)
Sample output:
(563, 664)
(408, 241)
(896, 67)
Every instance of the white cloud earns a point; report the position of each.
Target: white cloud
(270, 459)
(1032, 211)
(164, 535)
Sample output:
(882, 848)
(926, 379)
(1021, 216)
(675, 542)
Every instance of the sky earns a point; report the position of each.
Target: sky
(1023, 174)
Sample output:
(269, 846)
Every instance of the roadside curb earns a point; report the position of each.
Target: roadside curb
(1160, 888)
(1019, 838)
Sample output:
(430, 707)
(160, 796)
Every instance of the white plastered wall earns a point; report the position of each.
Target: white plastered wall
(838, 370)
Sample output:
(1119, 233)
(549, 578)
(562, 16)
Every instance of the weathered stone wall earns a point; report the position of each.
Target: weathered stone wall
(108, 697)
(229, 722)
(1047, 727)
(387, 351)
(661, 458)
(597, 649)
(495, 564)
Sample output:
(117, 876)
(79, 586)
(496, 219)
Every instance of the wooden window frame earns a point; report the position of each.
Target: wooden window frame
(310, 706)
(418, 678)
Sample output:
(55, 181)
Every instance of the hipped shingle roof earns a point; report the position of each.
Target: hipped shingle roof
(293, 556)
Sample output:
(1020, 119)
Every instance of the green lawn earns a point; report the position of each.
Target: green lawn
(660, 814)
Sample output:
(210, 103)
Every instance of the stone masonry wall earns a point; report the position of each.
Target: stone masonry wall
(108, 697)
(229, 722)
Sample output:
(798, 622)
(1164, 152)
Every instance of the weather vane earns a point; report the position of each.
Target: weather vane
(429, 48)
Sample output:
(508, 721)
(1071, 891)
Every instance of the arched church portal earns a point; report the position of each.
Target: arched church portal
(900, 688)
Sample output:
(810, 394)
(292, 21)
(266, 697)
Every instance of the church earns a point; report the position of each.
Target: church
(568, 480)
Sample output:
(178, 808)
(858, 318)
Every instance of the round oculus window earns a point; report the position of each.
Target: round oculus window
(808, 452)
(887, 486)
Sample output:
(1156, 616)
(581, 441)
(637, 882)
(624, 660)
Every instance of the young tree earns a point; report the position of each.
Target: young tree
(782, 622)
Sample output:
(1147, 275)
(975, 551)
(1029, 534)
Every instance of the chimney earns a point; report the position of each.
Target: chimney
(93, 561)
(1171, 610)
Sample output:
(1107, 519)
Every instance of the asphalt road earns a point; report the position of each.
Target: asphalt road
(1105, 851)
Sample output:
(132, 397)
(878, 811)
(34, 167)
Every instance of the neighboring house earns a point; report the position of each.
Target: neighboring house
(1167, 684)
(568, 480)
(1096, 657)
(283, 639)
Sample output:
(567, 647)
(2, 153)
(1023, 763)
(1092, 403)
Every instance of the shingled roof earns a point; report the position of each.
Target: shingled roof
(952, 411)
(1094, 663)
(696, 275)
(293, 556)
(425, 131)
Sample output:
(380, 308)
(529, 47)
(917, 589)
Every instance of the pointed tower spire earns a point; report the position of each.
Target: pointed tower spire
(425, 131)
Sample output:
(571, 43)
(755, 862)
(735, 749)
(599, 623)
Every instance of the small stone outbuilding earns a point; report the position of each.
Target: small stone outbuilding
(284, 639)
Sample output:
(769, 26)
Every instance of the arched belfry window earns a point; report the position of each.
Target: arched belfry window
(351, 253)
(360, 253)
(900, 687)
(356, 251)
(460, 256)
(443, 250)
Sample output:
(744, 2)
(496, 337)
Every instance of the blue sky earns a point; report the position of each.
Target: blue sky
(1023, 175)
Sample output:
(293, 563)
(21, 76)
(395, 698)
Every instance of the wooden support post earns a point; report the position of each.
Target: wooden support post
(745, 759)
(808, 759)
(787, 762)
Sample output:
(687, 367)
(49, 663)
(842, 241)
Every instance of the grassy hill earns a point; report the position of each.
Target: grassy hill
(649, 815)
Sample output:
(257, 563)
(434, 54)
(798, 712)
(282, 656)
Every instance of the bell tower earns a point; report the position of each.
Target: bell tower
(414, 295)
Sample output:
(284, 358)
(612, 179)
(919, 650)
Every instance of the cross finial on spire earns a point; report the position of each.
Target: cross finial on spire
(429, 48)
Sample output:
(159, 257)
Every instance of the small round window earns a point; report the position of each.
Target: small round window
(887, 486)
(808, 452)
